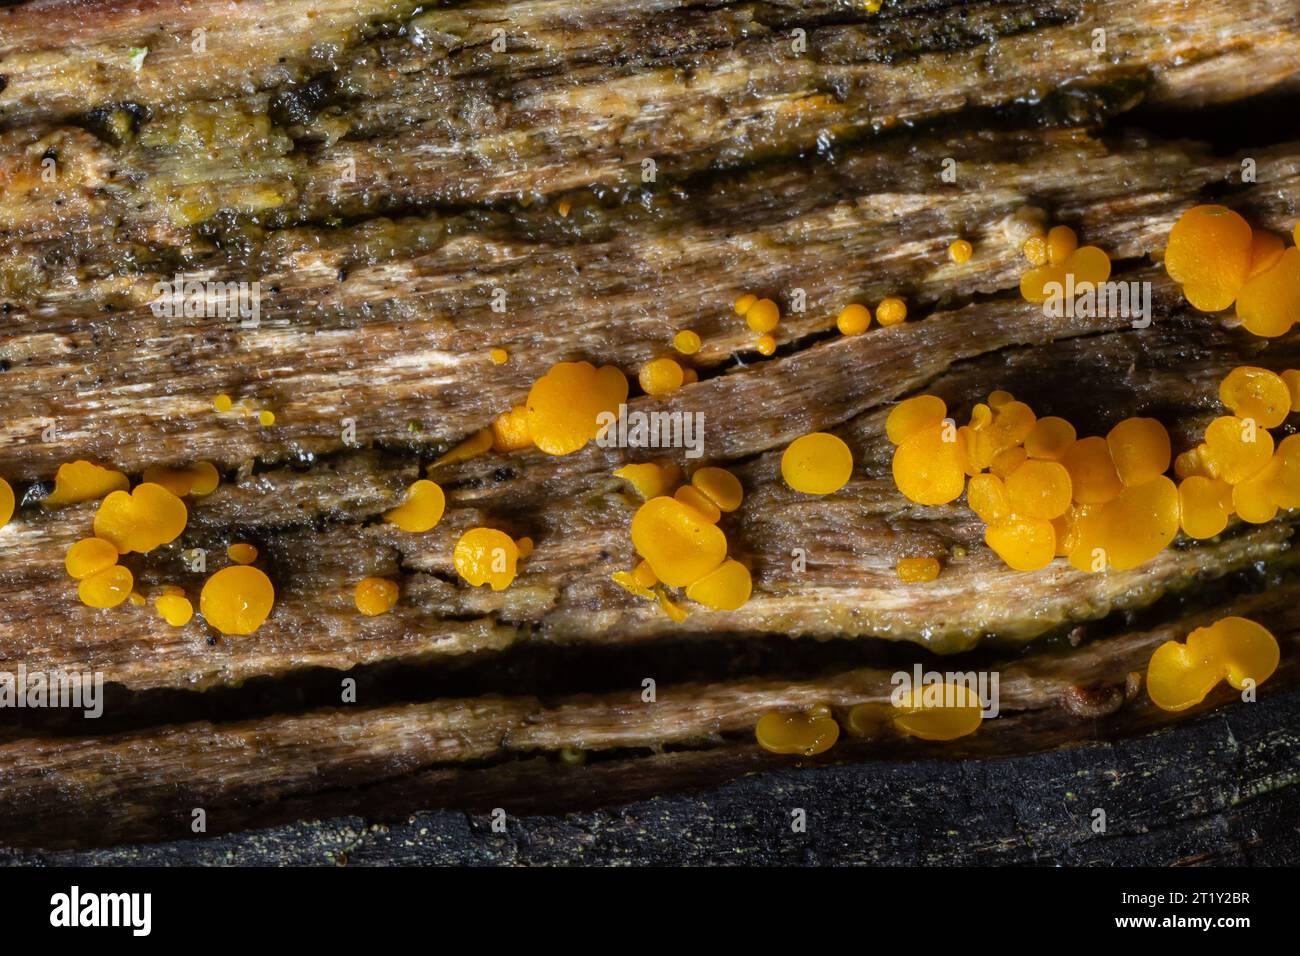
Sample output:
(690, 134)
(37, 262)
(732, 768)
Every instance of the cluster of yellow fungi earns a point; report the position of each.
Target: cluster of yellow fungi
(234, 600)
(676, 534)
(223, 404)
(1057, 258)
(481, 555)
(937, 711)
(1219, 260)
(855, 319)
(1100, 502)
(1238, 468)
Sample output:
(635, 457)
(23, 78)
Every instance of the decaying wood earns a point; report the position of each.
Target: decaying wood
(136, 785)
(775, 171)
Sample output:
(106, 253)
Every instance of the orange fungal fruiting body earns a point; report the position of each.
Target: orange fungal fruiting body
(1035, 250)
(853, 319)
(1266, 249)
(1039, 489)
(1061, 244)
(763, 316)
(692, 497)
(724, 589)
(237, 600)
(242, 552)
(914, 414)
(89, 556)
(107, 588)
(1256, 393)
(486, 556)
(146, 518)
(175, 609)
(1140, 449)
(1204, 506)
(1269, 303)
(197, 480)
(566, 405)
(510, 430)
(1209, 255)
(805, 734)
(891, 311)
(986, 495)
(1087, 264)
(1236, 649)
(375, 596)
(661, 376)
(651, 479)
(1025, 544)
(1238, 448)
(687, 342)
(421, 509)
(78, 481)
(1141, 522)
(473, 446)
(719, 486)
(1093, 478)
(915, 570)
(680, 544)
(1050, 439)
(817, 464)
(943, 711)
(930, 465)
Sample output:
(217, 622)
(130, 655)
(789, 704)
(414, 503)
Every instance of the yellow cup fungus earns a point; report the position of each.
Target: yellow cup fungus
(720, 486)
(421, 509)
(1234, 649)
(564, 405)
(651, 479)
(687, 342)
(853, 319)
(78, 481)
(661, 376)
(146, 518)
(805, 733)
(237, 600)
(917, 570)
(943, 711)
(89, 556)
(197, 480)
(106, 588)
(375, 596)
(510, 430)
(486, 556)
(891, 311)
(175, 609)
(817, 464)
(1140, 449)
(763, 316)
(930, 465)
(680, 544)
(725, 588)
(241, 552)
(1209, 255)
